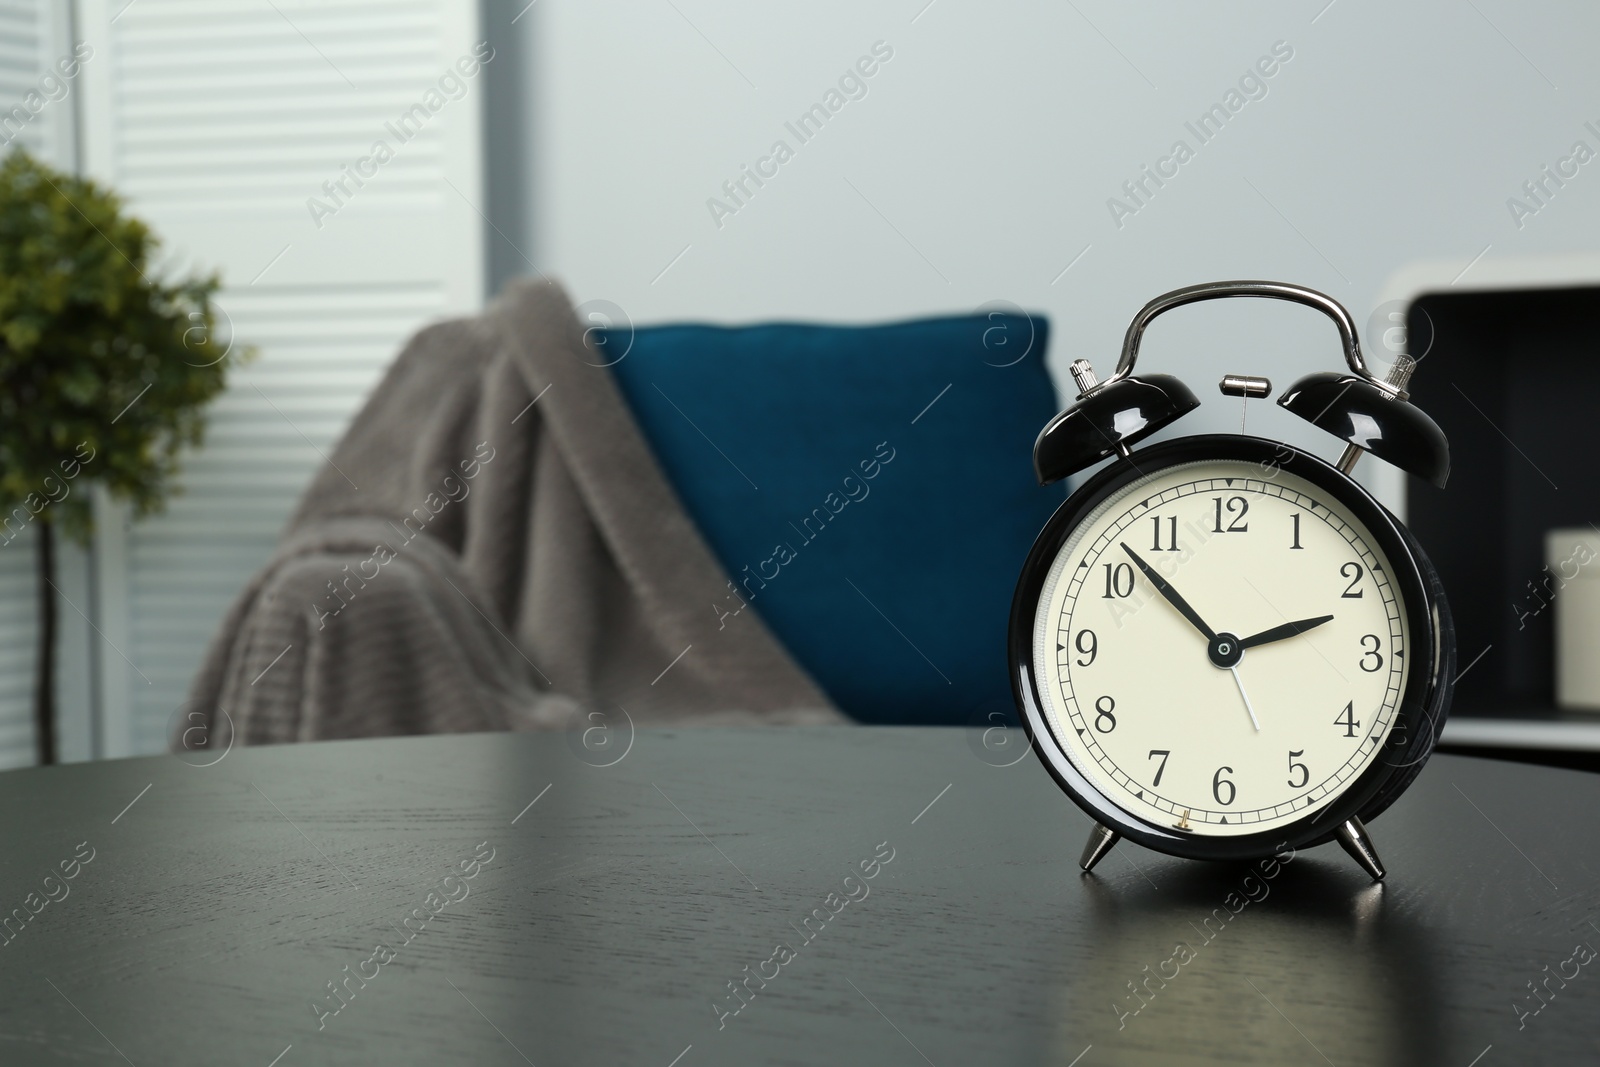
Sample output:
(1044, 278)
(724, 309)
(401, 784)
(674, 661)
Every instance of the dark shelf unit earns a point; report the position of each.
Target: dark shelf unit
(1513, 378)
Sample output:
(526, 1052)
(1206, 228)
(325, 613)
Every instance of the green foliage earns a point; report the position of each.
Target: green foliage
(85, 329)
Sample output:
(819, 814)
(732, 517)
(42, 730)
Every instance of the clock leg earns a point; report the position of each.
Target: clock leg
(1353, 836)
(1099, 843)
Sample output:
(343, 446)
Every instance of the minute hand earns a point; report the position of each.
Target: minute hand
(1288, 629)
(1166, 590)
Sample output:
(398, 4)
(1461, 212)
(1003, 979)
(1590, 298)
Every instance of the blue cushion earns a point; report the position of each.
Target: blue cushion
(870, 489)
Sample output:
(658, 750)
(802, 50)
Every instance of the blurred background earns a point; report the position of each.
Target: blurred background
(999, 152)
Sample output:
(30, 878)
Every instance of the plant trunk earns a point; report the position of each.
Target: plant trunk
(44, 693)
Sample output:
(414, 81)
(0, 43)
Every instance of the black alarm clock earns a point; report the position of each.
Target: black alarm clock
(1223, 647)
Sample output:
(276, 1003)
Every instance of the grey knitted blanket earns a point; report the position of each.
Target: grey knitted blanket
(491, 546)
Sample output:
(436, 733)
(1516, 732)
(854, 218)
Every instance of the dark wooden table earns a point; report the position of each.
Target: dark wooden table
(620, 901)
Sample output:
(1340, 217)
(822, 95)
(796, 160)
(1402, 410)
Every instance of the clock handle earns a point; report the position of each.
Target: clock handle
(1368, 413)
(1191, 294)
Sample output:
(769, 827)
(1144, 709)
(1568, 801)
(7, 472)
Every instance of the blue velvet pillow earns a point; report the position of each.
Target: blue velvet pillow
(869, 489)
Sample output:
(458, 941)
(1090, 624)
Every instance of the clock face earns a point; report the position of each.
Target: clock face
(1220, 648)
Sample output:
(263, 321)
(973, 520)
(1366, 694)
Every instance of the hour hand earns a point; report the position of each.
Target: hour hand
(1165, 589)
(1288, 629)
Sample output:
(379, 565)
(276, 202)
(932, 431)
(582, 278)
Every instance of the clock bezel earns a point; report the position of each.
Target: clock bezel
(1421, 701)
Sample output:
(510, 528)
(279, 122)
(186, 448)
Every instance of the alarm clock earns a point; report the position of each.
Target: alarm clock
(1223, 647)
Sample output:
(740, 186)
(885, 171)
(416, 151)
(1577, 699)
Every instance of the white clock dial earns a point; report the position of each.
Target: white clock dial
(1249, 729)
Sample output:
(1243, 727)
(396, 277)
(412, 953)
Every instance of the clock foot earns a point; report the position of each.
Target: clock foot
(1353, 836)
(1099, 843)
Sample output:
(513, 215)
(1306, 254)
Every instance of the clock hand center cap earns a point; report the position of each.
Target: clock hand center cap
(1224, 652)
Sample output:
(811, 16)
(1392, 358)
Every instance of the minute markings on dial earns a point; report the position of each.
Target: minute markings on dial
(1106, 537)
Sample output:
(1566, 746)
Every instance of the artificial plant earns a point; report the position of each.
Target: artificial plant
(105, 370)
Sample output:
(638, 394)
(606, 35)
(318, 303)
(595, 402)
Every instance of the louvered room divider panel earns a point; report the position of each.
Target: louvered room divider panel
(234, 129)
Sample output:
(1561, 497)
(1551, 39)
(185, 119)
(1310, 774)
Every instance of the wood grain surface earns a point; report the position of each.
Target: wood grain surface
(614, 912)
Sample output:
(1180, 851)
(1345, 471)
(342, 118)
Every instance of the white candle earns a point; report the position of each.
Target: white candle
(1572, 582)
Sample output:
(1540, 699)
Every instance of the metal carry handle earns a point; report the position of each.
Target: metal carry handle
(1216, 290)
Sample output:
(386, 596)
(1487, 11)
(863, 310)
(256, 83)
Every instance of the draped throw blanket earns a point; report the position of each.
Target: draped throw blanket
(492, 546)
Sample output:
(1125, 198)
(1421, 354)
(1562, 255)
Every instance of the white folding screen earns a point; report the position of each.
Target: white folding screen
(248, 135)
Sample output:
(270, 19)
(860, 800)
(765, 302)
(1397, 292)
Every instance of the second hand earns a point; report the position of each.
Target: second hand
(1247, 706)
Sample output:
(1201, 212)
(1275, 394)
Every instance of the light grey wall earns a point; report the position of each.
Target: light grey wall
(980, 162)
(508, 141)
